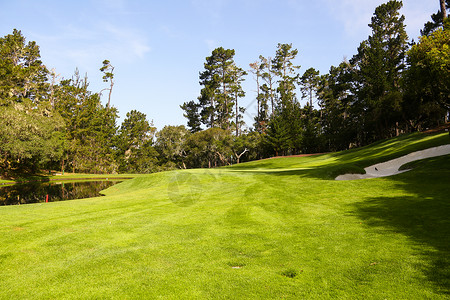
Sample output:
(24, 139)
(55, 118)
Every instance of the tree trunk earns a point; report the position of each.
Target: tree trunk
(109, 96)
(257, 99)
(443, 9)
(272, 102)
(238, 156)
(237, 115)
(224, 88)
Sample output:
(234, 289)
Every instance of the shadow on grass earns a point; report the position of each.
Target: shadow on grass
(325, 172)
(329, 166)
(423, 216)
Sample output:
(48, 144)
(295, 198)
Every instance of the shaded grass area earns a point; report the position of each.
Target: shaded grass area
(423, 214)
(246, 232)
(329, 166)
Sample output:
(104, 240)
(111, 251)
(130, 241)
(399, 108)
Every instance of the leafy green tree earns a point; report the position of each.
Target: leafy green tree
(29, 139)
(90, 127)
(135, 138)
(239, 147)
(247, 146)
(170, 144)
(31, 132)
(143, 160)
(23, 77)
(209, 148)
(428, 80)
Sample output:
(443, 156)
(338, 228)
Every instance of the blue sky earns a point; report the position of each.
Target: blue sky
(158, 47)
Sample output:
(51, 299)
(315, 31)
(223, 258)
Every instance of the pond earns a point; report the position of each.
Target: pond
(38, 192)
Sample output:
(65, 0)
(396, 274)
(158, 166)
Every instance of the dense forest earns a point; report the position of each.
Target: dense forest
(389, 87)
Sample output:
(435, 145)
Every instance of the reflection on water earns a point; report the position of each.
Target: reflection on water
(37, 192)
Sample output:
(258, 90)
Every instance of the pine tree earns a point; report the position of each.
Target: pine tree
(262, 97)
(309, 82)
(268, 88)
(90, 127)
(237, 77)
(221, 81)
(278, 137)
(381, 61)
(427, 81)
(284, 68)
(135, 144)
(192, 114)
(216, 96)
(108, 71)
(336, 101)
(439, 19)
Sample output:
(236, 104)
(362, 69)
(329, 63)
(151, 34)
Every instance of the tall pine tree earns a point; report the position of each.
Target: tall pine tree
(218, 101)
(381, 61)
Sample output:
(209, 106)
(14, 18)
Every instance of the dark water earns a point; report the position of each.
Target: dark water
(37, 192)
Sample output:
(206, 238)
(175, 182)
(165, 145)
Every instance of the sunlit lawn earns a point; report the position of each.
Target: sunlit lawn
(278, 228)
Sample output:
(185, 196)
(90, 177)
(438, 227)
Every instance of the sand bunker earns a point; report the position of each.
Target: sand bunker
(391, 167)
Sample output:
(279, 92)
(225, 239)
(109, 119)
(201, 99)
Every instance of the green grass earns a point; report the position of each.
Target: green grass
(277, 228)
(4, 181)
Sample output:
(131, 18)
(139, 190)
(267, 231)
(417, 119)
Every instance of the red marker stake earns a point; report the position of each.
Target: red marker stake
(46, 199)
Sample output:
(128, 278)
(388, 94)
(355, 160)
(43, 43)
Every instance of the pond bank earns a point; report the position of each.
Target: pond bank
(52, 191)
(71, 177)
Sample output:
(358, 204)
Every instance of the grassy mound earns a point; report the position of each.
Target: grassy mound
(277, 228)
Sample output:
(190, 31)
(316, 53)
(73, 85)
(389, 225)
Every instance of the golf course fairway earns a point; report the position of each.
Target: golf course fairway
(279, 228)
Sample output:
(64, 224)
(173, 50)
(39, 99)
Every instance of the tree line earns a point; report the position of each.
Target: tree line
(390, 86)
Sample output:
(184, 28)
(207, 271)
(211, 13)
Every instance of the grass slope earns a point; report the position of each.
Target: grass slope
(278, 228)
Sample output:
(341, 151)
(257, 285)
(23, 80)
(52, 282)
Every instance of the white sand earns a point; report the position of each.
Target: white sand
(391, 167)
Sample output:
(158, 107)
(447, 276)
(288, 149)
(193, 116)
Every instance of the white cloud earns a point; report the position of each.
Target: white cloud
(85, 47)
(125, 40)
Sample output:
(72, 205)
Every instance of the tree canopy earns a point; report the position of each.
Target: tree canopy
(389, 87)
